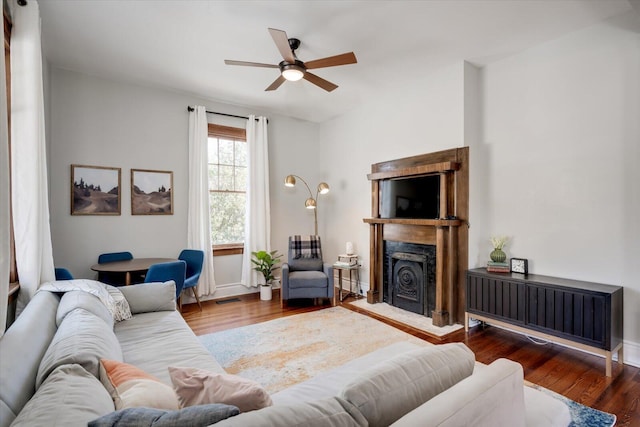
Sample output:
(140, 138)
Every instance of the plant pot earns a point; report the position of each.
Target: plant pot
(265, 292)
(498, 255)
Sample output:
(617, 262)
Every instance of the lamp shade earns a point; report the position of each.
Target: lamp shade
(323, 188)
(290, 181)
(310, 203)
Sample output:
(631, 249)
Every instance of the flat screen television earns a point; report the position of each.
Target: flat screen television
(410, 197)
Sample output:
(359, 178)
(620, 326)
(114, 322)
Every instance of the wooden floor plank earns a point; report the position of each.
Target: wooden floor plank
(572, 373)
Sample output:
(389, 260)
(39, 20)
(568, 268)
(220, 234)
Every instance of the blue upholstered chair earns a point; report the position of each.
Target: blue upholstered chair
(194, 259)
(115, 279)
(114, 256)
(63, 274)
(162, 272)
(305, 275)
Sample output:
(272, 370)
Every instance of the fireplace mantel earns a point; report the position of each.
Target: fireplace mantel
(448, 234)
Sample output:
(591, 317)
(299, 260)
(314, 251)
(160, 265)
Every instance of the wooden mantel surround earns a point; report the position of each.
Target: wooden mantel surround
(449, 234)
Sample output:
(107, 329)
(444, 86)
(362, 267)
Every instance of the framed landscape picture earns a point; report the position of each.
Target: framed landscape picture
(151, 192)
(95, 190)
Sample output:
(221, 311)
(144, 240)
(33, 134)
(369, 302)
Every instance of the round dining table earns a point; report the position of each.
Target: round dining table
(135, 265)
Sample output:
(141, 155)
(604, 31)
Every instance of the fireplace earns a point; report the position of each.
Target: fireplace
(427, 278)
(409, 276)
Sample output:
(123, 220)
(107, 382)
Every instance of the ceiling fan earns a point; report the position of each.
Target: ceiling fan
(292, 68)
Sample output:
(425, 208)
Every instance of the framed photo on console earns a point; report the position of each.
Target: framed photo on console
(519, 265)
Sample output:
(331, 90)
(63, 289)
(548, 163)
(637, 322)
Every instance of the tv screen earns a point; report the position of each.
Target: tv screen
(415, 197)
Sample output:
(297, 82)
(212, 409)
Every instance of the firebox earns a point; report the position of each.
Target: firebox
(409, 276)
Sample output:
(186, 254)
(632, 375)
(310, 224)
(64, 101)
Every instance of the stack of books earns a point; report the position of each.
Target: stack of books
(498, 267)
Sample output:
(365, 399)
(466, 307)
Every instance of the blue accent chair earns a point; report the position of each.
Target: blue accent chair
(162, 272)
(114, 279)
(63, 274)
(305, 275)
(194, 259)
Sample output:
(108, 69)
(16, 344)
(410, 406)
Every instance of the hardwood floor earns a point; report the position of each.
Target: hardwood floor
(572, 373)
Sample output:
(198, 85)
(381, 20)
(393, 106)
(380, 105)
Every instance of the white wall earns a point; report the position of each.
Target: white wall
(554, 141)
(415, 118)
(99, 122)
(560, 153)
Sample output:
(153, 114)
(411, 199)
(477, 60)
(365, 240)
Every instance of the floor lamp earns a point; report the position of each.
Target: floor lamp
(311, 202)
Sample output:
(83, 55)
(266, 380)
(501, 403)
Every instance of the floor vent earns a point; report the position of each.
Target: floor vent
(225, 301)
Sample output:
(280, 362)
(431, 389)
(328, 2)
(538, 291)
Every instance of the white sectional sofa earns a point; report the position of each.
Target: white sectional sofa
(50, 357)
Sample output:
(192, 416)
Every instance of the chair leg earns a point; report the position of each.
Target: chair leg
(195, 294)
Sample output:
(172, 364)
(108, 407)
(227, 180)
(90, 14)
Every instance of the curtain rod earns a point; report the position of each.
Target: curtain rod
(190, 108)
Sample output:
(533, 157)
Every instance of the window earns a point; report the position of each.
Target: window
(227, 188)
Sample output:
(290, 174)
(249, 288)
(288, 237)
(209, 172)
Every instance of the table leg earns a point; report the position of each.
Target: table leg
(340, 283)
(127, 278)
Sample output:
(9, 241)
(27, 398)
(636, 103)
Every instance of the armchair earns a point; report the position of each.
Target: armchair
(305, 275)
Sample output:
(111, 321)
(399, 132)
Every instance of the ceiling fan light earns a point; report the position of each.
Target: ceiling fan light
(293, 73)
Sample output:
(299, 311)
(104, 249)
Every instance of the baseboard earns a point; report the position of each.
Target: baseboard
(631, 353)
(222, 291)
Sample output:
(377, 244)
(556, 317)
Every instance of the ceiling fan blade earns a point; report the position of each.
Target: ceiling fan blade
(249, 64)
(276, 84)
(332, 61)
(282, 43)
(319, 81)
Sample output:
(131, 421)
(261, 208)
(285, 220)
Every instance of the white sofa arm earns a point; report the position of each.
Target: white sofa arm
(492, 396)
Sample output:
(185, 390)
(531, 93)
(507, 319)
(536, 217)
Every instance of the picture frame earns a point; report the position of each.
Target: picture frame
(151, 192)
(95, 190)
(519, 265)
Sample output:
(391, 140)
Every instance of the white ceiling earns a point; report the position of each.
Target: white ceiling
(181, 44)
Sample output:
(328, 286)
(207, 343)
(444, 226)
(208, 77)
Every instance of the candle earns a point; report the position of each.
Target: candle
(349, 248)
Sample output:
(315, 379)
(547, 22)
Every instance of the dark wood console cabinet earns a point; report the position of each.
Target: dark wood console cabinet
(584, 315)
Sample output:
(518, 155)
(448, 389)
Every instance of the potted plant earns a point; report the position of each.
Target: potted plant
(265, 262)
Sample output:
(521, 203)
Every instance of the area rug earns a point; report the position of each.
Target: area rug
(581, 415)
(405, 317)
(285, 351)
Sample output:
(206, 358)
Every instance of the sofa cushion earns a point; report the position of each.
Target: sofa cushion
(330, 412)
(492, 396)
(149, 297)
(70, 396)
(392, 388)
(130, 387)
(307, 279)
(21, 349)
(196, 387)
(193, 416)
(154, 341)
(79, 299)
(303, 264)
(82, 338)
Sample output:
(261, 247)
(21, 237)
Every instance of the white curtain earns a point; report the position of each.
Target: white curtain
(32, 233)
(4, 199)
(257, 223)
(199, 215)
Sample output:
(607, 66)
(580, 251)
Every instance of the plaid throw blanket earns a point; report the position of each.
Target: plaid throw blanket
(305, 247)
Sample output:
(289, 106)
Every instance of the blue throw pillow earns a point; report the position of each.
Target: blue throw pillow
(199, 415)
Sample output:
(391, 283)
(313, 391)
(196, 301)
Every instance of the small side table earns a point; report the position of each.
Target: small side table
(341, 267)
